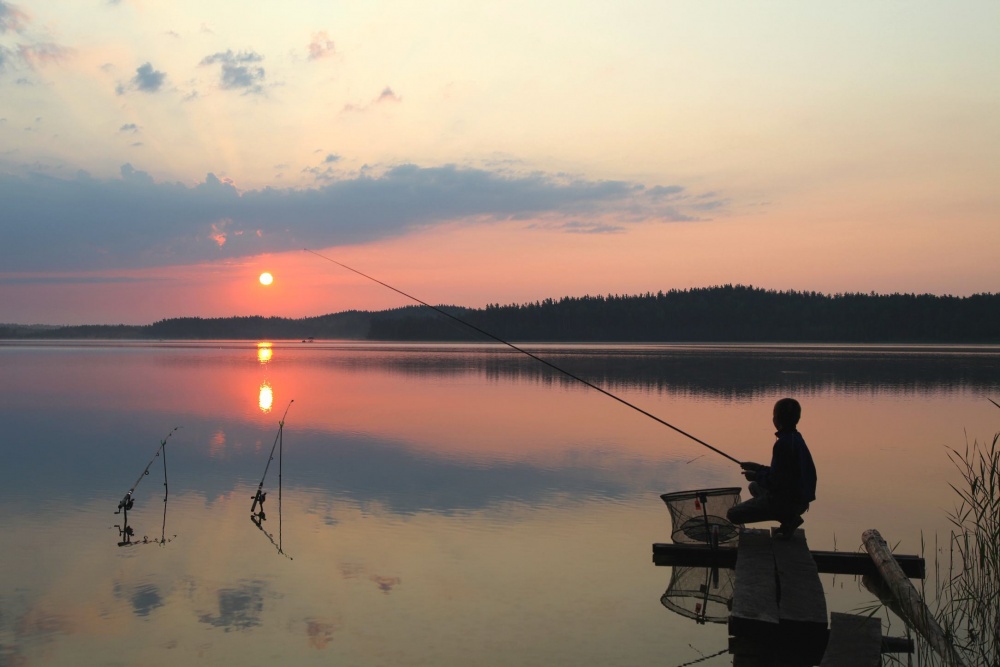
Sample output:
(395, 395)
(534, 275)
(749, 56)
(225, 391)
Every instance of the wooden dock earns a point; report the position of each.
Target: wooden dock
(827, 562)
(778, 614)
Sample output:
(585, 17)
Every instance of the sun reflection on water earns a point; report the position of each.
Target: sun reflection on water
(266, 397)
(264, 352)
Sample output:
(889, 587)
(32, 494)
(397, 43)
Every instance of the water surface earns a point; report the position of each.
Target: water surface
(440, 504)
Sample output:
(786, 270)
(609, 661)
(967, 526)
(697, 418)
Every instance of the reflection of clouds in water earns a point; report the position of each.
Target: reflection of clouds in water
(385, 584)
(320, 633)
(217, 444)
(41, 625)
(355, 570)
(144, 598)
(239, 608)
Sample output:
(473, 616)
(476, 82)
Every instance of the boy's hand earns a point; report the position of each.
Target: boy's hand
(750, 466)
(751, 475)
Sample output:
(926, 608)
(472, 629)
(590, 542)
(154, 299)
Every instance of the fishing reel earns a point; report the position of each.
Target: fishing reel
(258, 499)
(126, 533)
(125, 503)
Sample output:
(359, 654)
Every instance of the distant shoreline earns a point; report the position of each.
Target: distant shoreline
(726, 314)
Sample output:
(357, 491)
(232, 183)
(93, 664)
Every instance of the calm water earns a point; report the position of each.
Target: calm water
(440, 505)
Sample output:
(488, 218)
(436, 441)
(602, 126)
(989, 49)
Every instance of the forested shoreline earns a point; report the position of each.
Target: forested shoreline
(729, 313)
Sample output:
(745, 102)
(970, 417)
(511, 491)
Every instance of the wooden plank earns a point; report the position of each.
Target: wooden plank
(855, 641)
(755, 596)
(753, 645)
(839, 562)
(827, 562)
(801, 599)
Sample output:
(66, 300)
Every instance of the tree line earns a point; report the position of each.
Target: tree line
(727, 313)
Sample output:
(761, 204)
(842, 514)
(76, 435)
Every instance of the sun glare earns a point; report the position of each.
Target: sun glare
(264, 352)
(266, 278)
(265, 397)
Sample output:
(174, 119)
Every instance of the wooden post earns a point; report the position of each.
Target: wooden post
(908, 603)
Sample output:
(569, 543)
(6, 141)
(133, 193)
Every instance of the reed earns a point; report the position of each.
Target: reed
(970, 608)
(964, 594)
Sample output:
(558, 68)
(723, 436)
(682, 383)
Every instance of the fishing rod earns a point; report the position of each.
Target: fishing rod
(533, 356)
(125, 504)
(260, 496)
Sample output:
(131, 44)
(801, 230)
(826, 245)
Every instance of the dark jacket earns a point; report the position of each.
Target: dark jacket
(791, 477)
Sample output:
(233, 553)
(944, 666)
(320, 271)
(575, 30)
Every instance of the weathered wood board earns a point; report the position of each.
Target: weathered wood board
(801, 599)
(755, 599)
(855, 641)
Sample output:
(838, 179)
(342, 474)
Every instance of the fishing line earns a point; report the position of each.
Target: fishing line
(127, 502)
(260, 496)
(533, 356)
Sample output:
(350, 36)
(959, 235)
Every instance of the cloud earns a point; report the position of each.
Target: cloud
(43, 53)
(33, 53)
(238, 70)
(148, 79)
(321, 46)
(72, 280)
(84, 223)
(129, 127)
(12, 19)
(387, 96)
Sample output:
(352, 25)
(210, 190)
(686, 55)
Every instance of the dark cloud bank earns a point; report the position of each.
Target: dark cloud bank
(84, 223)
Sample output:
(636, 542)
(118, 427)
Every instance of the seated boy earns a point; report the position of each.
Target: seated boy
(783, 490)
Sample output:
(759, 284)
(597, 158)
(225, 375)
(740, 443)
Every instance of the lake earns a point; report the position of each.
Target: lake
(439, 504)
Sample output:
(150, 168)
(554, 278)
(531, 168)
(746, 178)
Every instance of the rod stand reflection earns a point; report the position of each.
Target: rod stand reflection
(125, 531)
(257, 515)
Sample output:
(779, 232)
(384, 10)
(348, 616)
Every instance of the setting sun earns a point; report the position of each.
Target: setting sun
(266, 278)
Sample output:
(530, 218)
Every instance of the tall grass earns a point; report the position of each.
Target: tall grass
(970, 609)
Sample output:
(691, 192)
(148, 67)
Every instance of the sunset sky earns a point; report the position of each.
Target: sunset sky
(157, 157)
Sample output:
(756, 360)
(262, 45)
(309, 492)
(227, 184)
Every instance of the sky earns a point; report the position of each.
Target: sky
(156, 158)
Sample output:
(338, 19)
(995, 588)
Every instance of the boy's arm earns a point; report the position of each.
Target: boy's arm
(754, 472)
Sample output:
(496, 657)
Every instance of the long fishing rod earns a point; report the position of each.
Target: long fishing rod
(533, 356)
(127, 502)
(260, 496)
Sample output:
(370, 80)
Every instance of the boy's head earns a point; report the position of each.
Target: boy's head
(786, 414)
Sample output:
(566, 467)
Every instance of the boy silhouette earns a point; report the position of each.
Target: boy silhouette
(783, 490)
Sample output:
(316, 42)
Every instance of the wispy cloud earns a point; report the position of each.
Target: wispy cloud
(387, 96)
(12, 19)
(43, 53)
(133, 221)
(72, 280)
(321, 46)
